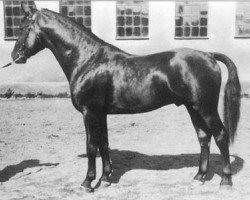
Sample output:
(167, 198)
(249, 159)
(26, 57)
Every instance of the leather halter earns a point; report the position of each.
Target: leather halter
(20, 52)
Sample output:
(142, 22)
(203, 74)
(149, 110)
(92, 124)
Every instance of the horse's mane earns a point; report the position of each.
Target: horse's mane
(72, 24)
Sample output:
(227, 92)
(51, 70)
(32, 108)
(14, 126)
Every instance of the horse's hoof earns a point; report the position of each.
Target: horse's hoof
(226, 181)
(87, 186)
(200, 177)
(103, 183)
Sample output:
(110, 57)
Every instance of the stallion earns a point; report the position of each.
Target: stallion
(104, 80)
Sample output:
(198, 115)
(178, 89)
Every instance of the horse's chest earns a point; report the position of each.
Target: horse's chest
(91, 91)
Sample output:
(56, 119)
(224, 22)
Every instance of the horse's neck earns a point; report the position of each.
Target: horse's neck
(71, 46)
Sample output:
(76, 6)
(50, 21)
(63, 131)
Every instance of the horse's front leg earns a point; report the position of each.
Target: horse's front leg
(91, 126)
(104, 152)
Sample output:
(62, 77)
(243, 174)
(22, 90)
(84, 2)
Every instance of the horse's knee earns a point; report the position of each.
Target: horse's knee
(91, 150)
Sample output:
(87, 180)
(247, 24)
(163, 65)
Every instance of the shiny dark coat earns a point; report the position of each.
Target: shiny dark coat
(106, 80)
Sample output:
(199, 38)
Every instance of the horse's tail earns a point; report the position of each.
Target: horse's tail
(232, 96)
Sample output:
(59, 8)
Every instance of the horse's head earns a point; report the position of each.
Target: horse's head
(28, 43)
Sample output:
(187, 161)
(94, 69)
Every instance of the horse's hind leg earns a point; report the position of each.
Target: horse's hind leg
(204, 138)
(213, 126)
(222, 140)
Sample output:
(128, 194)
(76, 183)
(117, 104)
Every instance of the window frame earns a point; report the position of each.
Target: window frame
(191, 3)
(13, 38)
(84, 16)
(129, 3)
(237, 36)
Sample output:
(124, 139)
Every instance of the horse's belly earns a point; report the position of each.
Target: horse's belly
(139, 101)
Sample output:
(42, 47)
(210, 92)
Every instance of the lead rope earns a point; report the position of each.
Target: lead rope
(7, 65)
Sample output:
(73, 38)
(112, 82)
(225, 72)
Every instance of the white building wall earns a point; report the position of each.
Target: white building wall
(221, 32)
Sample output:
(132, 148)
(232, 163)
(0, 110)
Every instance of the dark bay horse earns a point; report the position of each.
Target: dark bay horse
(106, 80)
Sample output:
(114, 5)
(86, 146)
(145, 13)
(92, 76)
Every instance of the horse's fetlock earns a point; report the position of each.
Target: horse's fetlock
(91, 175)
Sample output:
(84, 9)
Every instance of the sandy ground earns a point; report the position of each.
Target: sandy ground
(154, 155)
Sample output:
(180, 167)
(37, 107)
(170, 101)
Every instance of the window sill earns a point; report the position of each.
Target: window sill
(10, 39)
(191, 38)
(241, 37)
(131, 38)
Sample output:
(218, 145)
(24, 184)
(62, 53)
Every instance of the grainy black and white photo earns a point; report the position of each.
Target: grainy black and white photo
(124, 99)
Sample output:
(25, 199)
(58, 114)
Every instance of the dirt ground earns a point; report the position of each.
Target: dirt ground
(155, 155)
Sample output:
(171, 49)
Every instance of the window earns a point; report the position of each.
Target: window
(13, 15)
(131, 19)
(191, 20)
(79, 10)
(242, 25)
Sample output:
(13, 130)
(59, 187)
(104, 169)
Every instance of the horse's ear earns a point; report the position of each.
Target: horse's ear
(27, 9)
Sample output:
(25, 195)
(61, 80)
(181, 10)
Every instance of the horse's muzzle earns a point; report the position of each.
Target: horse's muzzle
(19, 58)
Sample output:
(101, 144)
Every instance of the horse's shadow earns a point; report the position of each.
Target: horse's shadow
(124, 161)
(11, 170)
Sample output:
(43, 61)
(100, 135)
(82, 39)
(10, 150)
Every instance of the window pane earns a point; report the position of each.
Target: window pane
(137, 31)
(120, 11)
(188, 10)
(203, 31)
(187, 31)
(16, 2)
(144, 21)
(9, 32)
(179, 21)
(8, 3)
(187, 21)
(88, 21)
(120, 31)
(195, 21)
(129, 11)
(87, 10)
(128, 20)
(180, 9)
(120, 21)
(203, 21)
(79, 10)
(136, 11)
(8, 11)
(178, 31)
(31, 3)
(16, 32)
(64, 10)
(79, 20)
(203, 12)
(9, 21)
(145, 31)
(79, 2)
(17, 21)
(195, 9)
(137, 20)
(71, 11)
(16, 11)
(195, 31)
(129, 31)
(71, 2)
